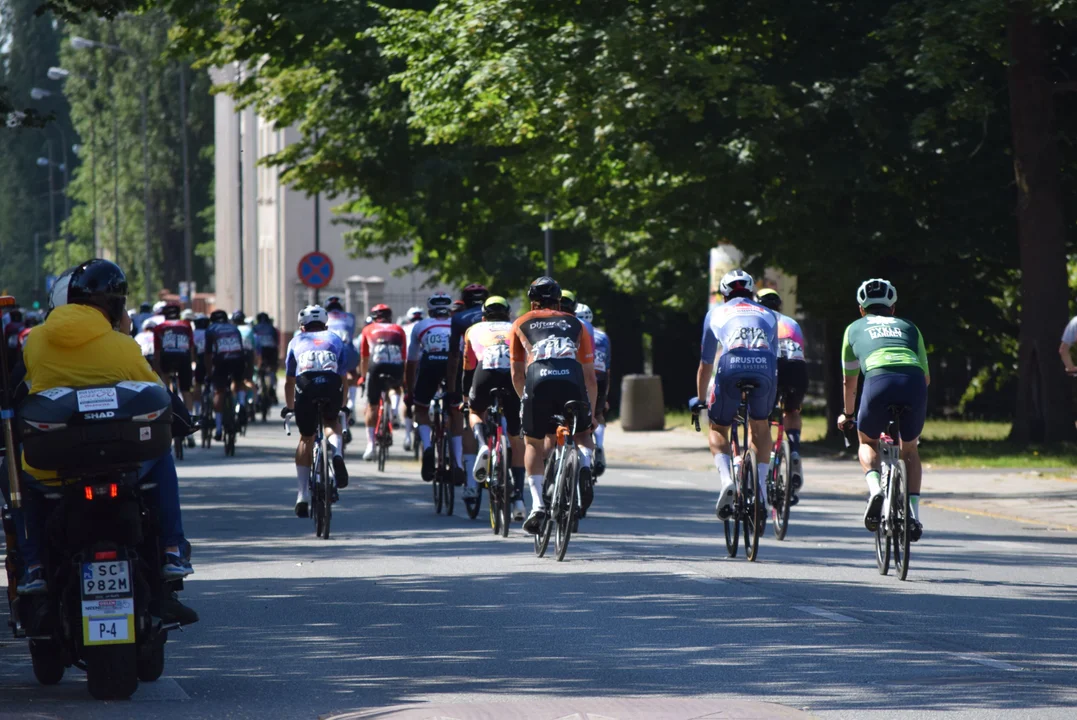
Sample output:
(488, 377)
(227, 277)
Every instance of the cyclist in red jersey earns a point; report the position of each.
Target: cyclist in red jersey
(173, 351)
(383, 345)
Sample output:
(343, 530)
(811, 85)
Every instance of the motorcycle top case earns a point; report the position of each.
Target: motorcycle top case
(96, 428)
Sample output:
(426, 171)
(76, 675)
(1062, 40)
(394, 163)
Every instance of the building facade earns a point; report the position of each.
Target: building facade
(263, 228)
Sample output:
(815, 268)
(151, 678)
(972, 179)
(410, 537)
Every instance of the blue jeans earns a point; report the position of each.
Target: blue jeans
(30, 519)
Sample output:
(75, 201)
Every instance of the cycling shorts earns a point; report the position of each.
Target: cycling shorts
(200, 370)
(881, 390)
(480, 400)
(181, 365)
(316, 391)
(793, 382)
(427, 380)
(394, 372)
(248, 365)
(467, 381)
(603, 394)
(270, 358)
(228, 370)
(734, 367)
(549, 385)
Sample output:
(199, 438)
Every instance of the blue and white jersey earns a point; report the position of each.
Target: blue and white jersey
(342, 324)
(430, 340)
(322, 351)
(224, 341)
(602, 350)
(740, 326)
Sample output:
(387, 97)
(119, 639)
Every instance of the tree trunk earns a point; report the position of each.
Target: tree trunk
(1044, 412)
(833, 332)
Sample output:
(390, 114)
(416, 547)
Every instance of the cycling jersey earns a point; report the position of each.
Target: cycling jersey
(266, 336)
(602, 352)
(320, 351)
(461, 321)
(199, 342)
(224, 341)
(383, 343)
(790, 338)
(747, 334)
(246, 335)
(342, 324)
(173, 337)
(739, 325)
(146, 342)
(882, 343)
(430, 349)
(1069, 335)
(486, 346)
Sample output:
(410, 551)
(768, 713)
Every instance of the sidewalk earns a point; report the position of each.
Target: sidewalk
(1017, 495)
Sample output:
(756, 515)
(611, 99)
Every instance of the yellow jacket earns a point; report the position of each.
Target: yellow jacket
(76, 346)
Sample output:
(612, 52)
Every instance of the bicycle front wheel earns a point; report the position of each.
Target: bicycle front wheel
(900, 509)
(783, 490)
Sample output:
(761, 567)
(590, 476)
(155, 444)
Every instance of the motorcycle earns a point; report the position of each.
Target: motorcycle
(101, 549)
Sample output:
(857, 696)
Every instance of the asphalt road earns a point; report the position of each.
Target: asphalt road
(405, 606)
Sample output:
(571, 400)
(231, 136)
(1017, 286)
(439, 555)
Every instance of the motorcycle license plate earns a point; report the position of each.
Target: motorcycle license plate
(108, 604)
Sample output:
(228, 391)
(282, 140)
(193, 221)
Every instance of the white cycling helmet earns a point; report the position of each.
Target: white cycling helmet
(158, 307)
(187, 314)
(148, 324)
(439, 304)
(415, 313)
(733, 277)
(583, 312)
(313, 314)
(876, 292)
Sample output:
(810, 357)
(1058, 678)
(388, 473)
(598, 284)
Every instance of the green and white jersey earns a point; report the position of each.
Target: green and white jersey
(880, 343)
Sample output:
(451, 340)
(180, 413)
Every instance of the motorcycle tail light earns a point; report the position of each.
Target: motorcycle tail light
(89, 492)
(112, 490)
(105, 555)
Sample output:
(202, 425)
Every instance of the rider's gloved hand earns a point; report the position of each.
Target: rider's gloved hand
(695, 405)
(285, 412)
(845, 422)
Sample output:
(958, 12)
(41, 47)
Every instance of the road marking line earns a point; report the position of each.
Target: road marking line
(999, 516)
(828, 614)
(700, 577)
(989, 662)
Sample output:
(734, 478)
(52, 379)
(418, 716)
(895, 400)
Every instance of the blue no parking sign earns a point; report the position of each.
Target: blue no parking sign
(315, 270)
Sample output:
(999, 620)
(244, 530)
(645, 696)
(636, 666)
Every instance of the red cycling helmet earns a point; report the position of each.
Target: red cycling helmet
(474, 294)
(381, 313)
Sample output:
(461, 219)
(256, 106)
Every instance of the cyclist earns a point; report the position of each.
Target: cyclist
(382, 349)
(792, 379)
(552, 363)
(890, 352)
(267, 341)
(747, 334)
(342, 323)
(486, 359)
(313, 372)
(201, 323)
(428, 358)
(472, 296)
(602, 375)
(173, 352)
(145, 312)
(224, 363)
(146, 340)
(187, 316)
(414, 315)
(77, 345)
(457, 306)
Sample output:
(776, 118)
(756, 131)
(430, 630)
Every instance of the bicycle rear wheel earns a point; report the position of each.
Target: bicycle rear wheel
(505, 483)
(783, 490)
(437, 495)
(900, 532)
(882, 541)
(565, 502)
(327, 492)
(753, 507)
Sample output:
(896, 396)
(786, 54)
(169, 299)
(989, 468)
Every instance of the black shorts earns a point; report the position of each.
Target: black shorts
(603, 393)
(468, 379)
(200, 371)
(480, 399)
(551, 384)
(383, 376)
(248, 365)
(883, 389)
(428, 379)
(179, 364)
(792, 382)
(269, 357)
(316, 391)
(228, 370)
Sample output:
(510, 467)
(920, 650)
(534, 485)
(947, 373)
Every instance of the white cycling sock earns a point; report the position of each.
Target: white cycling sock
(724, 463)
(370, 435)
(469, 466)
(872, 479)
(479, 431)
(424, 434)
(764, 468)
(458, 450)
(914, 506)
(351, 396)
(585, 457)
(334, 442)
(302, 474)
(535, 483)
(395, 399)
(600, 436)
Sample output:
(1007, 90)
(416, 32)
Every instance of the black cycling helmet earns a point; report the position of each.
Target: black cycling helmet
(262, 317)
(201, 322)
(145, 307)
(474, 294)
(171, 311)
(218, 316)
(333, 303)
(238, 318)
(97, 283)
(769, 298)
(545, 291)
(568, 302)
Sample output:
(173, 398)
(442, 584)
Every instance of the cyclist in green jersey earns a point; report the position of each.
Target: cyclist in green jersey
(890, 352)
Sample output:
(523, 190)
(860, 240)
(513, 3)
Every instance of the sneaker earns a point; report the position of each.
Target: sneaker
(470, 493)
(724, 507)
(339, 471)
(33, 582)
(481, 461)
(175, 567)
(600, 462)
(916, 530)
(534, 521)
(518, 510)
(368, 454)
(171, 610)
(302, 507)
(587, 489)
(428, 465)
(873, 511)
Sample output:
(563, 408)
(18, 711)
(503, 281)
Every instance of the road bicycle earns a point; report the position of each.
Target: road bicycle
(892, 532)
(229, 422)
(207, 415)
(498, 475)
(383, 427)
(444, 462)
(178, 441)
(267, 392)
(323, 492)
(748, 512)
(564, 500)
(780, 478)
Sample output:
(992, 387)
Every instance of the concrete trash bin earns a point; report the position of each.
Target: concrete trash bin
(642, 404)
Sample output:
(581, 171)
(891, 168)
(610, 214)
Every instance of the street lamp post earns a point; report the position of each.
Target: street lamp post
(187, 239)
